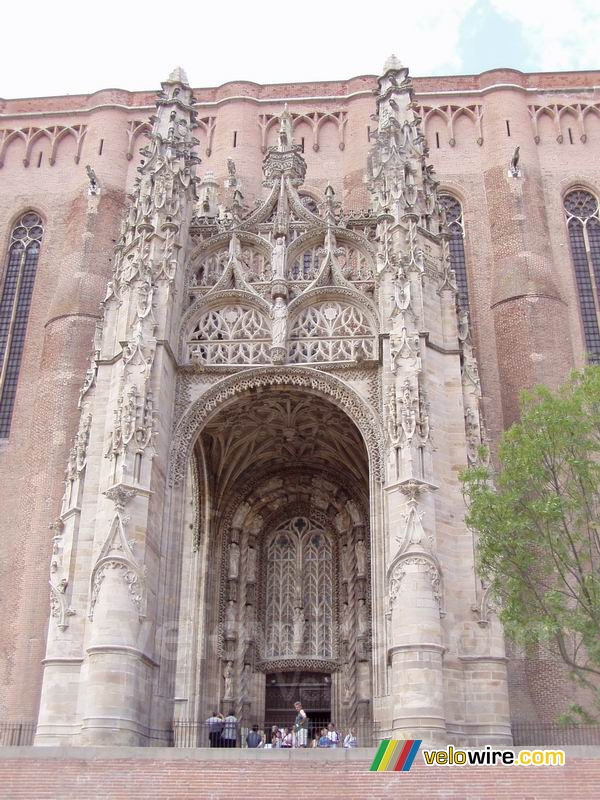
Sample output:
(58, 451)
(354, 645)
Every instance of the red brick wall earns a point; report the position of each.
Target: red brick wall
(278, 776)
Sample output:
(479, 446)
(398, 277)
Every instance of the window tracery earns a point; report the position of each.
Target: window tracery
(19, 278)
(299, 610)
(331, 331)
(234, 334)
(583, 223)
(456, 225)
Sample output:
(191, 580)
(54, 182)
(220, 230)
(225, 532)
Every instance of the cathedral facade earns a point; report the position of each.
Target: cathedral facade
(265, 336)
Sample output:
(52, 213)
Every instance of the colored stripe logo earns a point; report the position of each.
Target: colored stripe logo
(395, 755)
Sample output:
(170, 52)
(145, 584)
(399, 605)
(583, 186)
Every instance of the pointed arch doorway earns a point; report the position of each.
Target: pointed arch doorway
(280, 495)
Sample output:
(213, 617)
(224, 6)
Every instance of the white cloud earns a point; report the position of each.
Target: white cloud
(58, 49)
(562, 36)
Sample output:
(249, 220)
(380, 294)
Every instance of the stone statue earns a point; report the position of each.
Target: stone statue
(251, 565)
(392, 418)
(401, 294)
(361, 558)
(278, 260)
(228, 678)
(230, 619)
(94, 187)
(463, 325)
(235, 248)
(346, 623)
(144, 301)
(298, 630)
(363, 621)
(234, 560)
(279, 314)
(514, 163)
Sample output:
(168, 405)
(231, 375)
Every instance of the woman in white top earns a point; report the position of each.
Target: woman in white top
(350, 739)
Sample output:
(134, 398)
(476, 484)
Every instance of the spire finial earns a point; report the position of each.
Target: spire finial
(178, 76)
(392, 63)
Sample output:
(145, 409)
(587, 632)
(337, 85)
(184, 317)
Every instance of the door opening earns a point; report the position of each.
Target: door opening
(312, 689)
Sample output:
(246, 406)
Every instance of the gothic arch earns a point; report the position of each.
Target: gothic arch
(310, 380)
(9, 137)
(40, 133)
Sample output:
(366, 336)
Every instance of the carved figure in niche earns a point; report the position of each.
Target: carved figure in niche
(230, 620)
(228, 679)
(401, 293)
(409, 415)
(346, 630)
(392, 419)
(251, 565)
(279, 314)
(278, 259)
(463, 325)
(234, 560)
(298, 630)
(346, 681)
(235, 248)
(361, 558)
(363, 620)
(144, 303)
(146, 187)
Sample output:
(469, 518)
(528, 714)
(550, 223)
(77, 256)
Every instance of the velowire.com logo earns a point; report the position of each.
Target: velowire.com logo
(395, 755)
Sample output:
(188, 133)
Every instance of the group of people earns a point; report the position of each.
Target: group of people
(222, 732)
(288, 737)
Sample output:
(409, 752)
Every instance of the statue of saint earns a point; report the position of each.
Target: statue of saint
(361, 558)
(363, 621)
(298, 629)
(251, 564)
(234, 560)
(279, 314)
(228, 678)
(278, 260)
(401, 294)
(230, 619)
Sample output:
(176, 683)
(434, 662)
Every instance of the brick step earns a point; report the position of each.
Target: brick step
(110, 777)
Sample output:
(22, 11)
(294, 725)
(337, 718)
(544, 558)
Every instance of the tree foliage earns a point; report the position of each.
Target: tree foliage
(538, 522)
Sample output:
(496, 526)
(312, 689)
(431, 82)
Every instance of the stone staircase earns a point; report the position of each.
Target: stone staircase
(28, 773)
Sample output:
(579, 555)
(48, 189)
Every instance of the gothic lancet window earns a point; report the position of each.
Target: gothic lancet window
(455, 221)
(299, 591)
(583, 222)
(19, 277)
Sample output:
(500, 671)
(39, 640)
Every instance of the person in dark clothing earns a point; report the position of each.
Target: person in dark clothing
(253, 737)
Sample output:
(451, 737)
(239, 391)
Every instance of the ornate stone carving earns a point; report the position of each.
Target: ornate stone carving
(59, 608)
(117, 553)
(399, 569)
(326, 385)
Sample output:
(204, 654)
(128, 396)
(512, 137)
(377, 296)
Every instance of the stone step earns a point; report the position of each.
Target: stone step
(157, 773)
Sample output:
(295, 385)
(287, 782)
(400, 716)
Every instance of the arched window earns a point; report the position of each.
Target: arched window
(19, 277)
(583, 222)
(455, 222)
(299, 591)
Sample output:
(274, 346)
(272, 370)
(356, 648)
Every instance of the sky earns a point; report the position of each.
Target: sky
(68, 47)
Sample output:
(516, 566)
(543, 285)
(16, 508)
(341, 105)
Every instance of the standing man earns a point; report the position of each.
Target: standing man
(215, 726)
(301, 725)
(229, 734)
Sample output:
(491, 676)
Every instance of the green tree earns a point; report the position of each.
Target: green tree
(537, 518)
